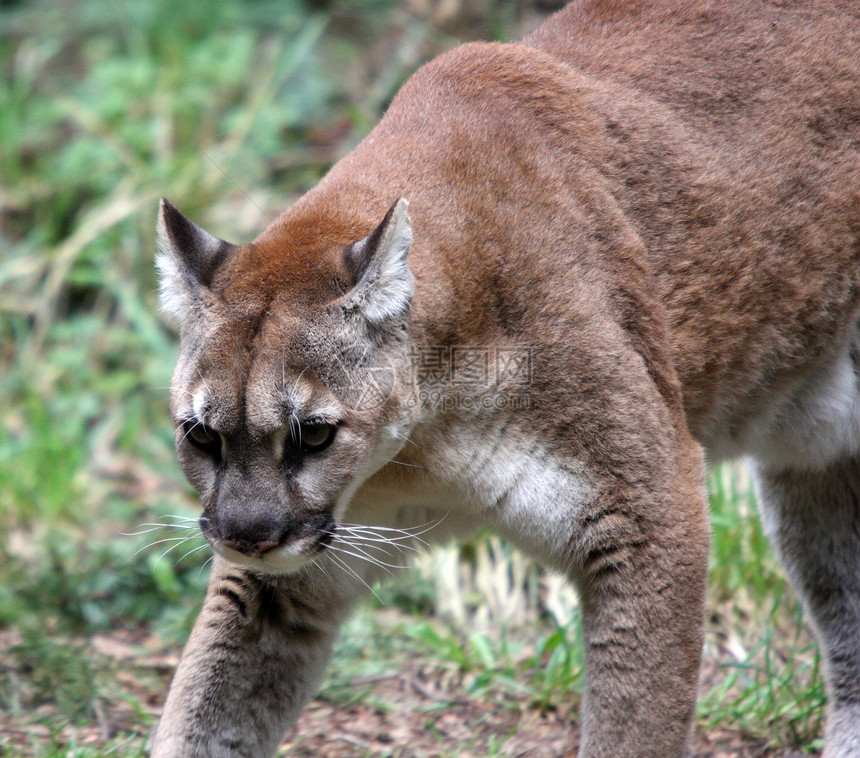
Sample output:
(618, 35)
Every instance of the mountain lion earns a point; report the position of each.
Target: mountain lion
(555, 278)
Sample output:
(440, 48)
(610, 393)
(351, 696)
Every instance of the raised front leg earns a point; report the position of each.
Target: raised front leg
(643, 590)
(254, 658)
(813, 520)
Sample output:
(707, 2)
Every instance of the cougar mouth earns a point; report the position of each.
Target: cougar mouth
(294, 549)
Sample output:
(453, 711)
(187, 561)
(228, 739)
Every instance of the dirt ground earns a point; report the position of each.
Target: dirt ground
(428, 720)
(422, 711)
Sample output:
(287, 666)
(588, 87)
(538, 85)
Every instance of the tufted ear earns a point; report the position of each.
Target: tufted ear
(187, 258)
(383, 282)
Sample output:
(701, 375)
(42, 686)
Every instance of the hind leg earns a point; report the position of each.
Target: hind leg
(813, 521)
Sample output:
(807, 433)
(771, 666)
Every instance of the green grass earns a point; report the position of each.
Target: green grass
(231, 110)
(771, 686)
(104, 107)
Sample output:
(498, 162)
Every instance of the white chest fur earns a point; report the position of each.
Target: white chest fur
(470, 478)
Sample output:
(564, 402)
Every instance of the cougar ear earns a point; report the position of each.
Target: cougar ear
(187, 258)
(383, 282)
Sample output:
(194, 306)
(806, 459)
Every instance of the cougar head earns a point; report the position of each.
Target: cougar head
(293, 383)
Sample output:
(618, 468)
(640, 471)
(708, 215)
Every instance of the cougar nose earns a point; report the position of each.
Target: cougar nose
(251, 549)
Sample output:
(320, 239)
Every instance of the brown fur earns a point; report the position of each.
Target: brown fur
(662, 201)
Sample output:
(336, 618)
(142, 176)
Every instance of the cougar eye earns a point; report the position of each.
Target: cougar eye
(202, 437)
(316, 436)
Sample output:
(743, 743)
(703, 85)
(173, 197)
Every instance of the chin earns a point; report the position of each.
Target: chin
(286, 559)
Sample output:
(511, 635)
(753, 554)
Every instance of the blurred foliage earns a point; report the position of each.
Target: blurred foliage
(231, 109)
(105, 106)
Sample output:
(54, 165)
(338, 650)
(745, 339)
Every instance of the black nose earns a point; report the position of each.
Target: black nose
(252, 549)
(251, 533)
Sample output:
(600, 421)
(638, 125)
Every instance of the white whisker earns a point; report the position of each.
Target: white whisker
(324, 569)
(206, 563)
(406, 439)
(419, 529)
(292, 393)
(180, 540)
(197, 423)
(203, 380)
(298, 379)
(343, 564)
(361, 554)
(414, 533)
(402, 463)
(193, 550)
(359, 539)
(375, 535)
(399, 542)
(157, 527)
(295, 429)
(170, 549)
(185, 524)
